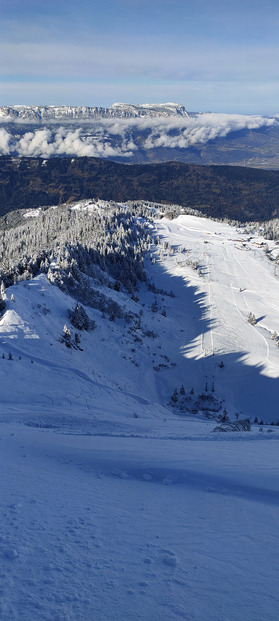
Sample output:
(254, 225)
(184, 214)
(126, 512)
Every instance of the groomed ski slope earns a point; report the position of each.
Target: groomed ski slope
(234, 277)
(113, 504)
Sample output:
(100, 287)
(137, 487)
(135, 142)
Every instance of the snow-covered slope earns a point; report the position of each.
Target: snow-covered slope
(234, 277)
(201, 335)
(116, 502)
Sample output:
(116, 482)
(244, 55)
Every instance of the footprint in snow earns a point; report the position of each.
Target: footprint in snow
(170, 558)
(9, 553)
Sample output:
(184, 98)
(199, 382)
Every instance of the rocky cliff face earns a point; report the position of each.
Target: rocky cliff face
(85, 113)
(147, 110)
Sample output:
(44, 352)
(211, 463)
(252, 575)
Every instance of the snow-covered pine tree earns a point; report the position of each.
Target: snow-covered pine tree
(79, 318)
(2, 297)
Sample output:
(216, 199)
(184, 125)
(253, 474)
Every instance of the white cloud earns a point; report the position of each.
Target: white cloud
(109, 138)
(4, 142)
(63, 141)
(200, 129)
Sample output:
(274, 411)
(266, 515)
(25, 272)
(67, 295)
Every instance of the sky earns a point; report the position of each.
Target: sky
(209, 55)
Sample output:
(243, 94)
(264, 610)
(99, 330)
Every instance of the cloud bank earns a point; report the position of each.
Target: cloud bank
(201, 128)
(114, 138)
(4, 142)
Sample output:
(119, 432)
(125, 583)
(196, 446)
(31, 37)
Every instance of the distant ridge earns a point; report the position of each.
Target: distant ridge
(84, 113)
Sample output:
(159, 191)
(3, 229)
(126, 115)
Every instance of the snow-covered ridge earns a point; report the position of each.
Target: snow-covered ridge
(148, 110)
(85, 113)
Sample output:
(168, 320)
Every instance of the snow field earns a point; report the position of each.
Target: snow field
(112, 528)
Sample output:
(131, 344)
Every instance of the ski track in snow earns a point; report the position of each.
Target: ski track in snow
(113, 506)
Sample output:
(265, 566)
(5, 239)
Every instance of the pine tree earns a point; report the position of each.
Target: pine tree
(252, 319)
(79, 318)
(67, 336)
(3, 297)
(3, 291)
(77, 339)
(225, 417)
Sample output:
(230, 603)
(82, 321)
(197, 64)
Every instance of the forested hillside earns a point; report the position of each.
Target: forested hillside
(217, 191)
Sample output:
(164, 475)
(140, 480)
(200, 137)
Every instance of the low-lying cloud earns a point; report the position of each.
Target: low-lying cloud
(4, 142)
(201, 128)
(114, 138)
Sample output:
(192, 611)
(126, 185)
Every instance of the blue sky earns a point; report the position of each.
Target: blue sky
(216, 55)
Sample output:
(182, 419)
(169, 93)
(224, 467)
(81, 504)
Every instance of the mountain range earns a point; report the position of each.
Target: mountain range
(147, 133)
(86, 113)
